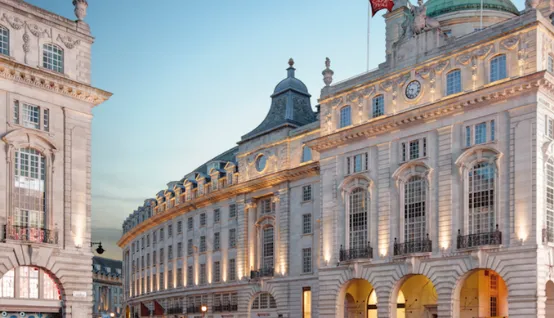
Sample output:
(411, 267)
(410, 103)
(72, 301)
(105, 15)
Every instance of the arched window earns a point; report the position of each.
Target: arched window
(29, 195)
(30, 282)
(4, 41)
(52, 57)
(357, 218)
(415, 197)
(378, 106)
(306, 154)
(264, 301)
(482, 218)
(550, 200)
(345, 117)
(453, 82)
(267, 248)
(498, 68)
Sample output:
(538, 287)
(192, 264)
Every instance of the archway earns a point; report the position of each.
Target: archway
(482, 293)
(549, 308)
(416, 297)
(357, 299)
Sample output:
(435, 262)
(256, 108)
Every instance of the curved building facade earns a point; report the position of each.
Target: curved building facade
(424, 188)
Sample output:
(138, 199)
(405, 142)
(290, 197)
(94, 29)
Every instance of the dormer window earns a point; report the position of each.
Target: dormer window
(230, 178)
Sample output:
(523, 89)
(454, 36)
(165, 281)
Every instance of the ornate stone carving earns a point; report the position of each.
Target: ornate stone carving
(441, 66)
(423, 72)
(68, 41)
(402, 79)
(80, 9)
(327, 73)
(14, 22)
(419, 22)
(368, 91)
(37, 31)
(463, 59)
(353, 97)
(483, 51)
(510, 43)
(386, 85)
(522, 52)
(336, 102)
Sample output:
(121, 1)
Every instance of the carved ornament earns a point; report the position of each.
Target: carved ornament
(68, 41)
(510, 43)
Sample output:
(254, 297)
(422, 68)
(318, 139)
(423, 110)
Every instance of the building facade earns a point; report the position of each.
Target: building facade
(107, 287)
(424, 188)
(45, 128)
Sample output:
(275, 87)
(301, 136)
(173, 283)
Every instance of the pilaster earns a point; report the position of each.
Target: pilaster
(383, 197)
(282, 202)
(445, 230)
(242, 239)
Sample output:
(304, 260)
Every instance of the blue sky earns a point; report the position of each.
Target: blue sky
(191, 77)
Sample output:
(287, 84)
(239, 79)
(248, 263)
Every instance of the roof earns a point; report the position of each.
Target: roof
(438, 7)
(106, 263)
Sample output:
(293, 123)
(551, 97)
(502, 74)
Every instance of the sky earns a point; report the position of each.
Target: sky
(191, 77)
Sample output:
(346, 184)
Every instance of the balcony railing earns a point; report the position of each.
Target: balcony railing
(262, 272)
(479, 239)
(194, 309)
(415, 246)
(222, 308)
(30, 234)
(547, 236)
(175, 310)
(361, 252)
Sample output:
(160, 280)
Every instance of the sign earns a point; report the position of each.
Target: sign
(79, 294)
(377, 5)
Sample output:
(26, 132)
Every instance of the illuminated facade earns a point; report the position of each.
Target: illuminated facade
(107, 287)
(45, 189)
(432, 187)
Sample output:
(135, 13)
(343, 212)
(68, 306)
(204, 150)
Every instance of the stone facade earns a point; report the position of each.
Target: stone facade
(107, 287)
(45, 129)
(432, 187)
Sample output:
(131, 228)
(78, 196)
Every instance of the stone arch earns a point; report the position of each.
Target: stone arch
(352, 298)
(45, 277)
(257, 290)
(414, 295)
(460, 296)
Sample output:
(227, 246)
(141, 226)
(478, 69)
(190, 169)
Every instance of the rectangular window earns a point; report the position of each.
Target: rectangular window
(190, 276)
(142, 243)
(480, 133)
(190, 223)
(148, 260)
(154, 259)
(498, 68)
(378, 106)
(155, 282)
(179, 249)
(306, 260)
(203, 280)
(189, 247)
(161, 256)
(154, 238)
(232, 211)
(170, 252)
(306, 224)
(307, 193)
(357, 163)
(453, 82)
(494, 307)
(46, 120)
(161, 235)
(232, 270)
(203, 219)
(179, 227)
(170, 230)
(217, 215)
(306, 302)
(147, 240)
(550, 64)
(217, 272)
(202, 244)
(31, 116)
(230, 178)
(266, 206)
(232, 238)
(179, 277)
(217, 241)
(345, 117)
(170, 279)
(414, 149)
(16, 112)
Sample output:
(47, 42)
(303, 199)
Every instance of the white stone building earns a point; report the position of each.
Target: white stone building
(45, 127)
(431, 187)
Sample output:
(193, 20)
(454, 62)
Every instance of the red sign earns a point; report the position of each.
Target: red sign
(377, 5)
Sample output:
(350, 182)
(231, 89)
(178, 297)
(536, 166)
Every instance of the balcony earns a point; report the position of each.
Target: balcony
(479, 239)
(175, 310)
(411, 247)
(357, 253)
(30, 234)
(223, 308)
(262, 272)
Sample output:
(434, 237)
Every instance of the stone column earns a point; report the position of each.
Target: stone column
(251, 246)
(282, 210)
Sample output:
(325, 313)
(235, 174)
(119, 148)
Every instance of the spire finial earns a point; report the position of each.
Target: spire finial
(327, 72)
(291, 62)
(80, 9)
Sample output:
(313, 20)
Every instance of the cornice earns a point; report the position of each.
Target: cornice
(51, 82)
(442, 108)
(211, 198)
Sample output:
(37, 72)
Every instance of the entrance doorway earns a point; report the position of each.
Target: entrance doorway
(483, 294)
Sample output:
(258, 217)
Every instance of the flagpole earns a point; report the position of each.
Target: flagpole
(368, 29)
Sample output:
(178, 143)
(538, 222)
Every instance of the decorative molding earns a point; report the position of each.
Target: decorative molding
(41, 79)
(68, 41)
(510, 43)
(441, 66)
(483, 51)
(386, 85)
(14, 22)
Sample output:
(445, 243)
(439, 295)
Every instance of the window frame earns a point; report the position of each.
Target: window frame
(378, 110)
(46, 47)
(5, 52)
(493, 77)
(449, 90)
(345, 121)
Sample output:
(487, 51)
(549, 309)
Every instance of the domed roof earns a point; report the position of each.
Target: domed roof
(290, 82)
(438, 7)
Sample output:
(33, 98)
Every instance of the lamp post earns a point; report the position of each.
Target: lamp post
(204, 309)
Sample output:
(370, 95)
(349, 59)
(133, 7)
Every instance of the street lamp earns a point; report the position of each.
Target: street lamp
(99, 250)
(204, 309)
(112, 315)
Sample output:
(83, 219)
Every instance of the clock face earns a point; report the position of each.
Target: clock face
(413, 89)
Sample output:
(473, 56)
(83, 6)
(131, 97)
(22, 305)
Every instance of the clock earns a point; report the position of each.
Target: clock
(413, 89)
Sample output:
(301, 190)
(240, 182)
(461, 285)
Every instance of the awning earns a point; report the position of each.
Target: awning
(144, 311)
(158, 309)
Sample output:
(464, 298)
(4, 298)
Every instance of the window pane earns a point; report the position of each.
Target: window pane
(414, 209)
(4, 41)
(481, 198)
(306, 154)
(345, 117)
(378, 106)
(358, 218)
(52, 57)
(498, 68)
(481, 133)
(453, 82)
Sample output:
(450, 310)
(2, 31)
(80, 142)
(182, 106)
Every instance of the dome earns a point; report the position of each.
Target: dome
(438, 7)
(290, 83)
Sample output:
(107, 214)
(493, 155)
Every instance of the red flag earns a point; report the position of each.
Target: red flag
(377, 5)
